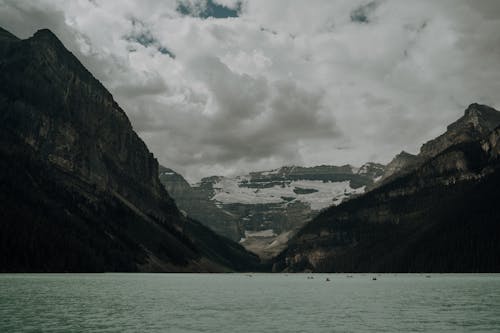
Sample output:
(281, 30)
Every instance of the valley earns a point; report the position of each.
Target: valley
(81, 192)
(262, 210)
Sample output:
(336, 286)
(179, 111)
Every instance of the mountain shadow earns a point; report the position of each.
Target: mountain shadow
(79, 190)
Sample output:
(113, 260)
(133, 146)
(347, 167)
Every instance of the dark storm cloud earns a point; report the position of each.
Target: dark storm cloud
(252, 118)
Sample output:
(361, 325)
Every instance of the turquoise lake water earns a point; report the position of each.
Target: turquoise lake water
(249, 303)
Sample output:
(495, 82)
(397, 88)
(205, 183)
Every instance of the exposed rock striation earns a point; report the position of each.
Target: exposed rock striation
(195, 202)
(477, 123)
(79, 189)
(264, 209)
(402, 161)
(440, 216)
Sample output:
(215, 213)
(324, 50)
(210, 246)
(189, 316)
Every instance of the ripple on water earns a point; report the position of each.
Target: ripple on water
(243, 303)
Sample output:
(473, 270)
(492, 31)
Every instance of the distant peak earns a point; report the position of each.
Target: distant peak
(476, 123)
(44, 32)
(403, 157)
(482, 117)
(404, 154)
(479, 109)
(46, 35)
(373, 165)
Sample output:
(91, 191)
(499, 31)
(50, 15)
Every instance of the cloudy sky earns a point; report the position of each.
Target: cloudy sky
(225, 86)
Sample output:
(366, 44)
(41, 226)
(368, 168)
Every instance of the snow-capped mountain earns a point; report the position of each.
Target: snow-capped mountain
(317, 187)
(263, 209)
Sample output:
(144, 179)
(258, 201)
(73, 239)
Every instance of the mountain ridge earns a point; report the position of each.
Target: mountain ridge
(439, 216)
(477, 122)
(263, 209)
(80, 190)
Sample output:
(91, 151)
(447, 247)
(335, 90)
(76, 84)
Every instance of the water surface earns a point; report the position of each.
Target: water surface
(249, 303)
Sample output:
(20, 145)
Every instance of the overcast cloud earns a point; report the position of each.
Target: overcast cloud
(224, 86)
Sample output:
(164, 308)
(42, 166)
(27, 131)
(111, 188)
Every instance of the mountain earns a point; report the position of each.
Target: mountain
(195, 202)
(401, 162)
(79, 190)
(263, 209)
(439, 216)
(477, 123)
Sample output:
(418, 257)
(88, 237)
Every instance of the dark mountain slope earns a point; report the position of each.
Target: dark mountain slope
(476, 124)
(79, 189)
(197, 204)
(441, 217)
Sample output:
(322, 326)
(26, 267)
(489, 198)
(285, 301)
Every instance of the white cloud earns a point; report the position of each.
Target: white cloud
(288, 81)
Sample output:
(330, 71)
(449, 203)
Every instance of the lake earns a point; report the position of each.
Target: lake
(249, 303)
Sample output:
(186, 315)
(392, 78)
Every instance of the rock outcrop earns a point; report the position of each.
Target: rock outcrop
(401, 162)
(477, 123)
(195, 202)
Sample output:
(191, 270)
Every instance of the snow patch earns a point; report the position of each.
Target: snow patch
(328, 193)
(271, 172)
(261, 233)
(228, 191)
(363, 170)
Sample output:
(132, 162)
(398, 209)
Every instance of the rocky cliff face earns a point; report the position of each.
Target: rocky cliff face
(402, 161)
(264, 209)
(86, 183)
(55, 106)
(195, 202)
(440, 216)
(477, 123)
